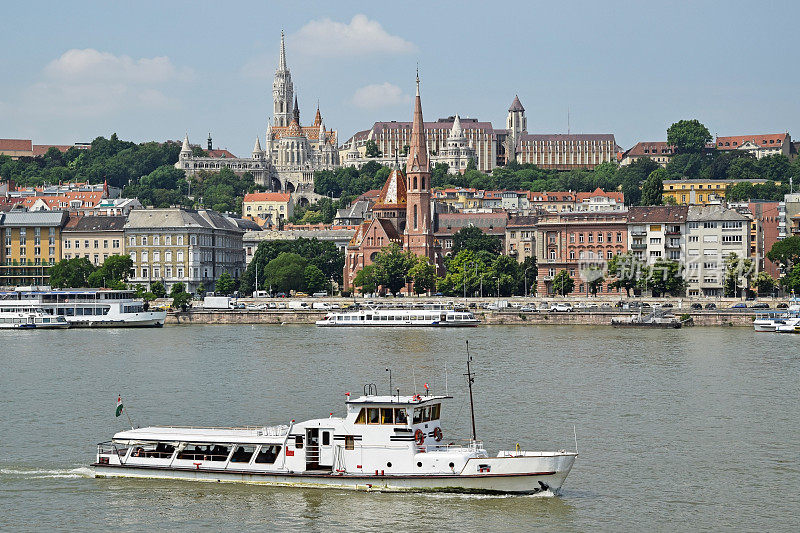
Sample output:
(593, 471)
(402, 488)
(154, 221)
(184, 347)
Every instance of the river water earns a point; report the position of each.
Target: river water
(690, 429)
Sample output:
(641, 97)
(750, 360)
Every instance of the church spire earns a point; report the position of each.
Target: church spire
(282, 63)
(185, 147)
(296, 111)
(418, 149)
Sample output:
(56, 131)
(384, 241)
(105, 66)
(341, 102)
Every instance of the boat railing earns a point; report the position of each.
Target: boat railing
(270, 431)
(472, 445)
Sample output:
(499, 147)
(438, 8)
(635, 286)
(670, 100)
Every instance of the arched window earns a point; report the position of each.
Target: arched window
(415, 187)
(423, 182)
(415, 212)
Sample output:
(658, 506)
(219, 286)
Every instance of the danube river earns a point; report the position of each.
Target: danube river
(690, 429)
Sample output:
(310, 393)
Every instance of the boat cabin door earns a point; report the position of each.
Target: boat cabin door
(319, 449)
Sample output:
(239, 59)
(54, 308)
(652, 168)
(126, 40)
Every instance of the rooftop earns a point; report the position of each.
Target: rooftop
(658, 213)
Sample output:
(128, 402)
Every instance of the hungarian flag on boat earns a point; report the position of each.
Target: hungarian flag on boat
(119, 405)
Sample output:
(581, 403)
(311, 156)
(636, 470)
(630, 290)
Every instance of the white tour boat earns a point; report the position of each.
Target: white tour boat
(29, 318)
(433, 315)
(86, 307)
(387, 443)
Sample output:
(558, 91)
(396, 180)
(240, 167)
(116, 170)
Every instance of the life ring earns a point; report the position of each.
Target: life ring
(419, 437)
(437, 434)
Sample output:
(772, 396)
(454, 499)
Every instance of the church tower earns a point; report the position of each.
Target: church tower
(517, 126)
(282, 91)
(419, 230)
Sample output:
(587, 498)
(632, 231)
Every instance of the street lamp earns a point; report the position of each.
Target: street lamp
(526, 280)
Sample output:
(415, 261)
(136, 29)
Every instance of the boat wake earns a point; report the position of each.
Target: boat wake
(81, 472)
(474, 496)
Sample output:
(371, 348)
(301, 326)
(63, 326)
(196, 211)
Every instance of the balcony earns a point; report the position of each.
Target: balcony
(673, 232)
(639, 233)
(638, 246)
(673, 245)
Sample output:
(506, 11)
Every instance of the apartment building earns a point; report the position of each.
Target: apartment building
(94, 237)
(657, 232)
(520, 236)
(31, 244)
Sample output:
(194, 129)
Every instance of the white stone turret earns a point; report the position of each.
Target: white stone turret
(258, 153)
(456, 132)
(186, 150)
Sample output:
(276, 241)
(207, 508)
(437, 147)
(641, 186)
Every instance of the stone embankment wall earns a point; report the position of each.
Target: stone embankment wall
(272, 316)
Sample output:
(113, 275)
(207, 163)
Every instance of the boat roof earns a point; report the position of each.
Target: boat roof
(408, 400)
(202, 434)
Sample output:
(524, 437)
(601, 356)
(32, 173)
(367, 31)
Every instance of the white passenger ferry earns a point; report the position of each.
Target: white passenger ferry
(774, 321)
(429, 316)
(388, 443)
(86, 307)
(29, 318)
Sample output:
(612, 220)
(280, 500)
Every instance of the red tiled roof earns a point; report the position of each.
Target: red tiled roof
(220, 154)
(659, 213)
(41, 149)
(616, 195)
(88, 199)
(16, 145)
(734, 142)
(267, 197)
(641, 149)
(551, 196)
(394, 193)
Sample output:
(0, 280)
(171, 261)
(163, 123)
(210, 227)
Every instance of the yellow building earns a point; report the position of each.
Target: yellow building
(699, 192)
(94, 237)
(271, 206)
(31, 244)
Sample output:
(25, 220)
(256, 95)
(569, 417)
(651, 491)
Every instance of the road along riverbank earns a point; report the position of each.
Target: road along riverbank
(589, 318)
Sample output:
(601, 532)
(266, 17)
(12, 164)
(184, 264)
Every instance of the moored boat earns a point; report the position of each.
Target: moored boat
(29, 318)
(429, 316)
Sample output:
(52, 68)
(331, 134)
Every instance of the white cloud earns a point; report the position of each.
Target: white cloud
(361, 37)
(379, 95)
(92, 83)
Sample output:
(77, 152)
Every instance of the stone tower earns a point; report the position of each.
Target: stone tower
(419, 230)
(282, 91)
(517, 126)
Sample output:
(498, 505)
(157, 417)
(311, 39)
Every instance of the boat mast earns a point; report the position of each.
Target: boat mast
(470, 381)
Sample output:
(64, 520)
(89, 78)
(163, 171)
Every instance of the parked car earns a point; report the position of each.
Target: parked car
(319, 295)
(667, 306)
(782, 305)
(700, 306)
(740, 305)
(760, 305)
(606, 305)
(529, 309)
(280, 295)
(560, 308)
(710, 306)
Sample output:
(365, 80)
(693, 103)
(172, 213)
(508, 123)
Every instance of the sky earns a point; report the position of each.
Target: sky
(155, 70)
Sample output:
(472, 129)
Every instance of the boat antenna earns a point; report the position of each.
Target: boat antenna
(414, 375)
(470, 381)
(389, 370)
(445, 379)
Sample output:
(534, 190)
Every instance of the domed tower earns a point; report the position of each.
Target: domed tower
(282, 91)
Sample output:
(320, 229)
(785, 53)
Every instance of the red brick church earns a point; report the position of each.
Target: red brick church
(402, 213)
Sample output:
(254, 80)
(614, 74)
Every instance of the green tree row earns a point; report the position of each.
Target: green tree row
(80, 272)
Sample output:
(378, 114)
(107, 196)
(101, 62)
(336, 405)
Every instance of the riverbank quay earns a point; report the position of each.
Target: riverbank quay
(487, 317)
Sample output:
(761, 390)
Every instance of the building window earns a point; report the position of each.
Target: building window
(580, 237)
(144, 240)
(619, 236)
(132, 241)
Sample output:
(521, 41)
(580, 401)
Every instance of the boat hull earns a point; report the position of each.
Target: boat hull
(326, 324)
(500, 483)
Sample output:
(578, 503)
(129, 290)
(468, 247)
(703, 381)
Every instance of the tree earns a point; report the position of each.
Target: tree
(423, 275)
(201, 290)
(372, 149)
(113, 273)
(738, 271)
(563, 283)
(785, 252)
(225, 285)
(663, 277)
(464, 271)
(365, 280)
(392, 265)
(71, 273)
(286, 272)
(791, 281)
(594, 279)
(158, 289)
(632, 176)
(314, 279)
(653, 187)
(626, 269)
(765, 283)
(180, 298)
(688, 136)
(473, 238)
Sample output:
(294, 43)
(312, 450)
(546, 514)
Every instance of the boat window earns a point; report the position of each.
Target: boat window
(268, 454)
(326, 438)
(400, 416)
(157, 450)
(426, 413)
(349, 443)
(196, 452)
(243, 454)
(362, 416)
(298, 442)
(373, 415)
(387, 416)
(435, 410)
(417, 415)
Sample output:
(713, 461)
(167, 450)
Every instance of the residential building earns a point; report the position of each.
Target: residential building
(31, 244)
(713, 233)
(759, 145)
(271, 206)
(700, 192)
(490, 223)
(356, 213)
(520, 237)
(658, 151)
(600, 200)
(553, 201)
(579, 243)
(658, 232)
(116, 207)
(94, 237)
(181, 245)
(789, 216)
(764, 232)
(75, 202)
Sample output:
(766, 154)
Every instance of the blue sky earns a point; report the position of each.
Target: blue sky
(153, 70)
